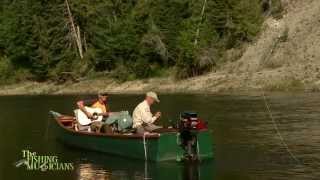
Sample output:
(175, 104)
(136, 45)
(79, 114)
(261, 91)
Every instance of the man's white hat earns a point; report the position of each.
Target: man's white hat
(153, 95)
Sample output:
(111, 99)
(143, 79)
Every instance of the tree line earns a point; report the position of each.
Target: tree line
(130, 39)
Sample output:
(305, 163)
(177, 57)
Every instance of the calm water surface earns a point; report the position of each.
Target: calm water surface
(246, 144)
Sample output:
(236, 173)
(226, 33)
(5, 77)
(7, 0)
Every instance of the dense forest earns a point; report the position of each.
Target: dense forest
(127, 39)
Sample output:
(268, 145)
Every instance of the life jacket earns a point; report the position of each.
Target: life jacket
(102, 106)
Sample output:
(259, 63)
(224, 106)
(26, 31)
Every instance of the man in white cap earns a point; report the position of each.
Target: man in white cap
(142, 117)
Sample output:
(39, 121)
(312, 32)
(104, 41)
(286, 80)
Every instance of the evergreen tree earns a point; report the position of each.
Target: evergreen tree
(131, 38)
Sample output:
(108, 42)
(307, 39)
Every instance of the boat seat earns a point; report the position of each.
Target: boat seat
(82, 128)
(165, 130)
(68, 121)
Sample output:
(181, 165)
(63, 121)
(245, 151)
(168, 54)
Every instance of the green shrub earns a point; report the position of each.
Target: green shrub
(122, 74)
(22, 75)
(277, 9)
(6, 69)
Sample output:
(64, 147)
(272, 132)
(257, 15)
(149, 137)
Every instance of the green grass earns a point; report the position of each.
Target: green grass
(286, 84)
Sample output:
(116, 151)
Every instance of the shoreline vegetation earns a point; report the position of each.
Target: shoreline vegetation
(213, 83)
(169, 47)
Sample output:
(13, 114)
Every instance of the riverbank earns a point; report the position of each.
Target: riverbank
(204, 84)
(213, 83)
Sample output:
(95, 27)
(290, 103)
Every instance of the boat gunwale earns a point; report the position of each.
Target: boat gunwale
(118, 136)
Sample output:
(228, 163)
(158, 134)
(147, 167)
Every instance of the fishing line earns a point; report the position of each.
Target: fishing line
(145, 157)
(146, 171)
(275, 125)
(145, 147)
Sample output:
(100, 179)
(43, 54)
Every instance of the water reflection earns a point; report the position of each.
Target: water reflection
(107, 168)
(88, 171)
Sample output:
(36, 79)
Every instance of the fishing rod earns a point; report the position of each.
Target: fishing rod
(276, 127)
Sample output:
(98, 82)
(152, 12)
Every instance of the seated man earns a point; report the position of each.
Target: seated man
(142, 117)
(101, 103)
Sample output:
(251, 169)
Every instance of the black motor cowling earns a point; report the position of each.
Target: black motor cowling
(188, 127)
(188, 121)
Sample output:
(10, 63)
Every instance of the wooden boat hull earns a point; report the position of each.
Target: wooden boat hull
(159, 147)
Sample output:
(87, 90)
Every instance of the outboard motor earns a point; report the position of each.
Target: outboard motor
(189, 125)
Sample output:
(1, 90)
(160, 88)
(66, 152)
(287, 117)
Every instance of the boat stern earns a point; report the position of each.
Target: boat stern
(169, 147)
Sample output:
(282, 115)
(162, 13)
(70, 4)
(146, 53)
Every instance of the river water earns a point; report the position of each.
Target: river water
(246, 143)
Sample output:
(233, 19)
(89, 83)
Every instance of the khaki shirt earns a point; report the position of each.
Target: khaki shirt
(142, 114)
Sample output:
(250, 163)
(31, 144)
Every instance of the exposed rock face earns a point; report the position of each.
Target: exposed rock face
(287, 52)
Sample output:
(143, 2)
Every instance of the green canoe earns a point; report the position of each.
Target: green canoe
(164, 146)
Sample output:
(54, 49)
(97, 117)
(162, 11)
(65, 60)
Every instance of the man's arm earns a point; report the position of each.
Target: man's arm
(147, 116)
(106, 114)
(81, 106)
